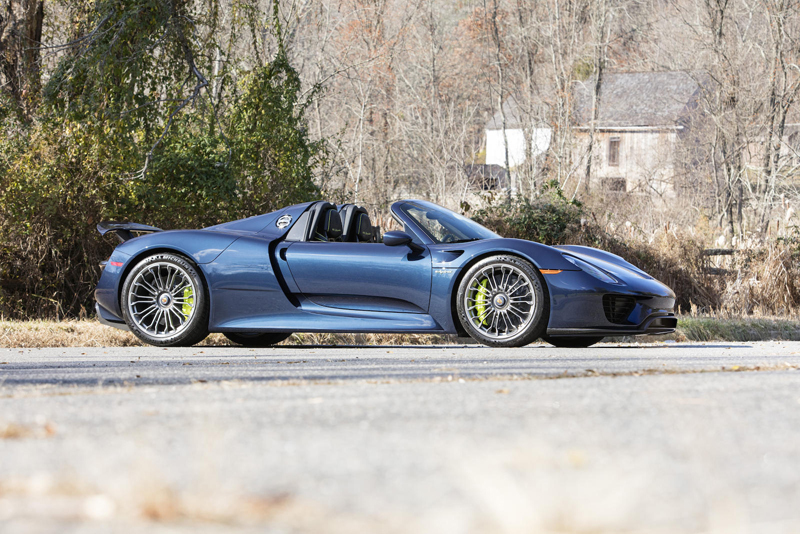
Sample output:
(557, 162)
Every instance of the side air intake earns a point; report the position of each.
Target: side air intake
(618, 307)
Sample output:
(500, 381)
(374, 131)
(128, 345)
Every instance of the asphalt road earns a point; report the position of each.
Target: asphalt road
(449, 439)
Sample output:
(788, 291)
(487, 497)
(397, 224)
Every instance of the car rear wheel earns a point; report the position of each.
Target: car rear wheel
(501, 302)
(254, 339)
(572, 342)
(164, 301)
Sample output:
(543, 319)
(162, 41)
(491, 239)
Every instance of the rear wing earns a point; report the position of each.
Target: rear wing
(124, 231)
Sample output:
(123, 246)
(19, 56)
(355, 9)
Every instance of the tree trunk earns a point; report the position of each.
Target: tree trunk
(599, 27)
(20, 39)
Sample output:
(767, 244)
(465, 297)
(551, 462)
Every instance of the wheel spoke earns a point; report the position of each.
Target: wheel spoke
(517, 285)
(147, 287)
(492, 281)
(179, 316)
(521, 312)
(503, 277)
(157, 278)
(482, 317)
(179, 291)
(168, 318)
(171, 274)
(483, 290)
(147, 311)
(495, 320)
(154, 322)
(506, 321)
(512, 310)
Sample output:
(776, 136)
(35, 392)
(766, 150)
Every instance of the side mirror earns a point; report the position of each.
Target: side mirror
(396, 239)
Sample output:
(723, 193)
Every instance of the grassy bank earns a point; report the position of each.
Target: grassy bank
(89, 333)
(738, 329)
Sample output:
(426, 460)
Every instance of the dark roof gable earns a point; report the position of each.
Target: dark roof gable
(513, 116)
(630, 99)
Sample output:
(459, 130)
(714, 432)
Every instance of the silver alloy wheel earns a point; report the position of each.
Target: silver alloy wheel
(161, 299)
(500, 302)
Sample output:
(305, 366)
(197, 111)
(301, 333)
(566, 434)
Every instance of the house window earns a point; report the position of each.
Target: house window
(613, 152)
(615, 185)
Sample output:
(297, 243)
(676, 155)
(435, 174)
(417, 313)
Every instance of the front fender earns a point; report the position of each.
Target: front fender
(457, 255)
(450, 261)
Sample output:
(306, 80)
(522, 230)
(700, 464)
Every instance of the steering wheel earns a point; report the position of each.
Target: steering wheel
(449, 238)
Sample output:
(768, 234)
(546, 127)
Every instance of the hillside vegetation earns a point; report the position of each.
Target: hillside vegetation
(186, 113)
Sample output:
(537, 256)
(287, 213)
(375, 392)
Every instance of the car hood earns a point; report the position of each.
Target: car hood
(613, 264)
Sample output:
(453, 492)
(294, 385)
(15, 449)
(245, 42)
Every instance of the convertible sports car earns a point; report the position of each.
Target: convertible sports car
(317, 267)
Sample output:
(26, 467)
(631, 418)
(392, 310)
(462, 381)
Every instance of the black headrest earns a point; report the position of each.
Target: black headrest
(330, 224)
(317, 215)
(351, 216)
(363, 227)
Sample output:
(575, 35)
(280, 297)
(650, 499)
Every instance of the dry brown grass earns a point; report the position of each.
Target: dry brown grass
(721, 326)
(90, 333)
(72, 333)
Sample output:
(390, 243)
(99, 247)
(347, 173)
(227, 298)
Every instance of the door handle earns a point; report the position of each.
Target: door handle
(282, 254)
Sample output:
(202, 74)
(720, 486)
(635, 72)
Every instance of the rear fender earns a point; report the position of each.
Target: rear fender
(199, 245)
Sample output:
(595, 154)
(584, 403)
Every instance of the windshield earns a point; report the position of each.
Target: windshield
(445, 226)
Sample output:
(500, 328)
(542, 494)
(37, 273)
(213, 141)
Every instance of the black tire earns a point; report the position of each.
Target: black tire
(572, 342)
(195, 326)
(532, 322)
(266, 339)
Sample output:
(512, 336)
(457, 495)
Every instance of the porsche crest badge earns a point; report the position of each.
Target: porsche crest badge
(284, 221)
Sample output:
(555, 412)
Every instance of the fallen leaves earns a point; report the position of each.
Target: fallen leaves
(20, 431)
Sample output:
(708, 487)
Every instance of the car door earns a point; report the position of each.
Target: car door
(361, 276)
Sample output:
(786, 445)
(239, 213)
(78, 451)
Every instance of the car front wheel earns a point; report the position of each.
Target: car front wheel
(501, 302)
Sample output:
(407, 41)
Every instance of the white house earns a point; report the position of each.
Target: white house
(641, 119)
(516, 134)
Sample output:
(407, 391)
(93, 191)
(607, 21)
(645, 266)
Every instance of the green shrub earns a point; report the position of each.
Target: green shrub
(60, 175)
(189, 184)
(52, 193)
(550, 219)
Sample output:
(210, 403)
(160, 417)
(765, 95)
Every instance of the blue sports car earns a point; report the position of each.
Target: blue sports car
(318, 267)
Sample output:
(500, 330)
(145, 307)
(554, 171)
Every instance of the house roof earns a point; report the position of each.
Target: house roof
(639, 99)
(513, 116)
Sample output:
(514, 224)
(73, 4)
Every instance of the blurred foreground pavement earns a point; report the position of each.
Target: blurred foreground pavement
(656, 438)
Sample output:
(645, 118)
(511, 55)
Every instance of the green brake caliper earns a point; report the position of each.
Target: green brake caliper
(188, 302)
(480, 300)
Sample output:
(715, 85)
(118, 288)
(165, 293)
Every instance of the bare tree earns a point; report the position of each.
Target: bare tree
(20, 41)
(784, 84)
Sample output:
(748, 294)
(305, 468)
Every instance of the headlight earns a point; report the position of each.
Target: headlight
(591, 269)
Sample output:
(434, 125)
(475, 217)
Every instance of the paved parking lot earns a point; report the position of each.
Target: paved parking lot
(461, 439)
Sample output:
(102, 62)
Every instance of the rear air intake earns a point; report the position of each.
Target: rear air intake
(618, 307)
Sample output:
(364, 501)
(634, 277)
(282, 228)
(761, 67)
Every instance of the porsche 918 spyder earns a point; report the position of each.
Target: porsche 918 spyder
(318, 267)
